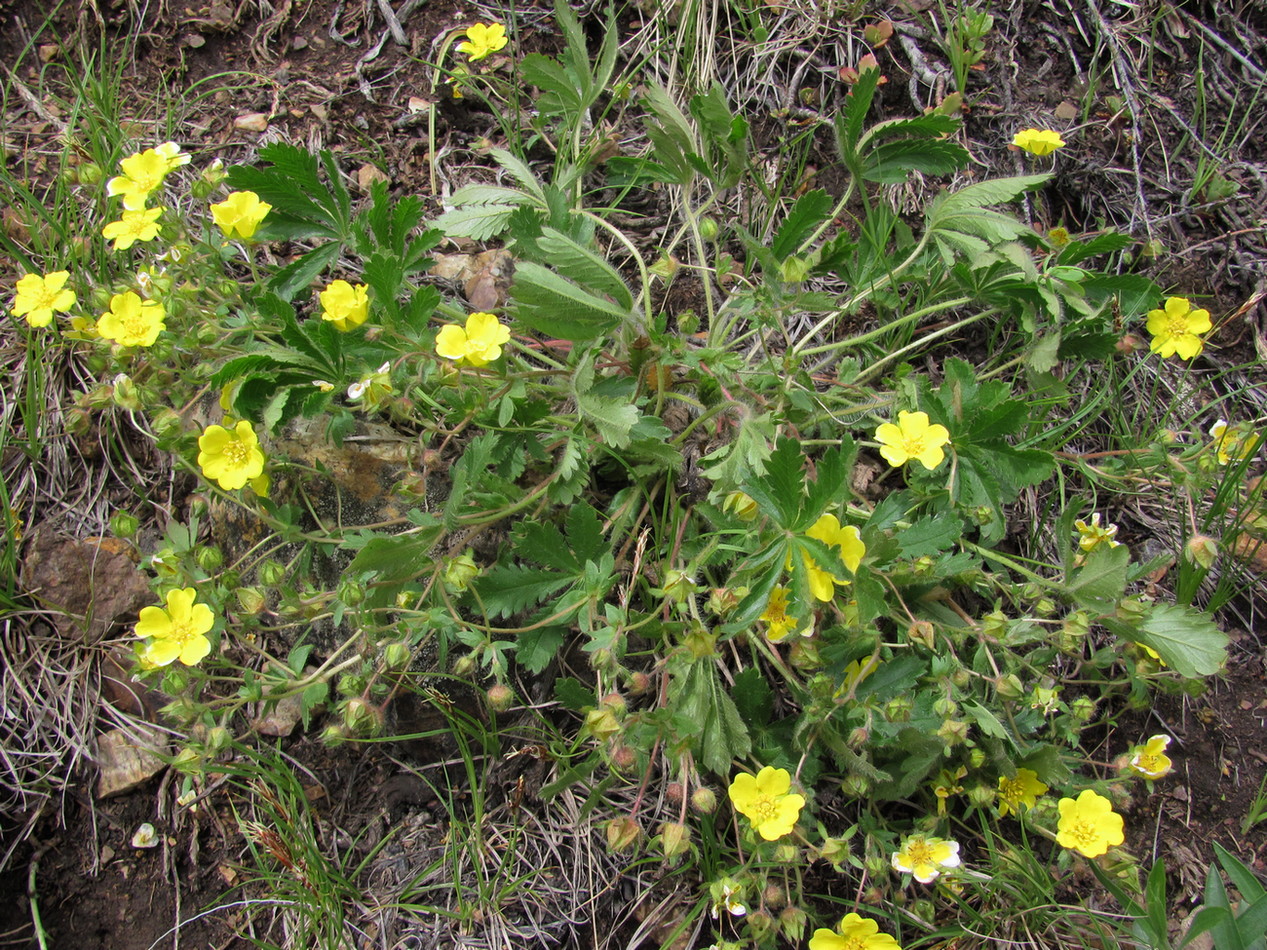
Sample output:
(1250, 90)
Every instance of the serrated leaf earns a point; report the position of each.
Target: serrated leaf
(560, 96)
(573, 694)
(982, 195)
(809, 211)
(753, 697)
(300, 273)
(508, 589)
(398, 557)
(892, 162)
(1101, 581)
(929, 536)
(612, 418)
(478, 222)
(585, 267)
(535, 649)
(585, 533)
(722, 735)
(552, 305)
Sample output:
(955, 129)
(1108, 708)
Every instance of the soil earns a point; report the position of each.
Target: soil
(297, 66)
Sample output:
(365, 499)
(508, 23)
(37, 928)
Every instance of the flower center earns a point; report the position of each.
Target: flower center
(1178, 326)
(914, 445)
(237, 453)
(1012, 793)
(918, 852)
(44, 298)
(180, 632)
(765, 809)
(1084, 832)
(135, 324)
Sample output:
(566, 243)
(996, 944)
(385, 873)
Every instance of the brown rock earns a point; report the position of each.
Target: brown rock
(128, 759)
(93, 583)
(251, 122)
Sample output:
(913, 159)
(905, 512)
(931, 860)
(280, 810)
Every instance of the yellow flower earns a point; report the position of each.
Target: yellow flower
(344, 305)
(132, 321)
(144, 172)
(1088, 825)
(133, 226)
(765, 800)
(1021, 790)
(845, 538)
(1150, 759)
(177, 632)
(854, 933)
(1176, 329)
(741, 505)
(477, 345)
(1059, 237)
(1038, 141)
(240, 214)
(912, 438)
(925, 858)
(230, 457)
(37, 297)
(779, 626)
(482, 40)
(1231, 443)
(1091, 536)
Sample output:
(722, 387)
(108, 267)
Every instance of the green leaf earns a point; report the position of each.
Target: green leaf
(478, 222)
(398, 557)
(300, 273)
(811, 210)
(559, 94)
(573, 694)
(585, 533)
(1100, 583)
(722, 735)
(892, 162)
(929, 536)
(753, 697)
(552, 305)
(613, 419)
(981, 195)
(850, 119)
(508, 589)
(584, 266)
(535, 649)
(986, 721)
(298, 657)
(1186, 639)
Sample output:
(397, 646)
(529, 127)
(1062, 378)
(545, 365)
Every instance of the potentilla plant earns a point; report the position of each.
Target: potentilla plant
(776, 559)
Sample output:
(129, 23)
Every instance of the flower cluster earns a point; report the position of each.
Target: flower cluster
(478, 344)
(765, 799)
(913, 437)
(144, 173)
(177, 633)
(1038, 141)
(1177, 329)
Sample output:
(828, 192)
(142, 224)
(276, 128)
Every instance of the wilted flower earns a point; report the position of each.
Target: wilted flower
(1022, 790)
(1091, 536)
(912, 438)
(132, 321)
(240, 213)
(779, 626)
(477, 345)
(1150, 759)
(925, 858)
(344, 305)
(854, 933)
(1176, 329)
(726, 897)
(177, 632)
(1231, 442)
(1038, 141)
(37, 297)
(231, 457)
(766, 801)
(133, 226)
(372, 387)
(1088, 824)
(483, 40)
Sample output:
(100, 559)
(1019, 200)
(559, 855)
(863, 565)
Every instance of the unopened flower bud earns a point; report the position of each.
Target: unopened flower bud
(351, 592)
(465, 665)
(703, 801)
(855, 785)
(1009, 686)
(460, 571)
(708, 228)
(218, 739)
(741, 505)
(334, 735)
(209, 558)
(124, 525)
(271, 573)
(792, 921)
(187, 761)
(396, 656)
(835, 851)
(600, 723)
(678, 585)
(674, 792)
(639, 683)
(500, 697)
(361, 717)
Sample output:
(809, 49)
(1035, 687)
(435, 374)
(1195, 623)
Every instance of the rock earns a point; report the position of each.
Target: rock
(251, 122)
(93, 583)
(128, 759)
(368, 174)
(280, 721)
